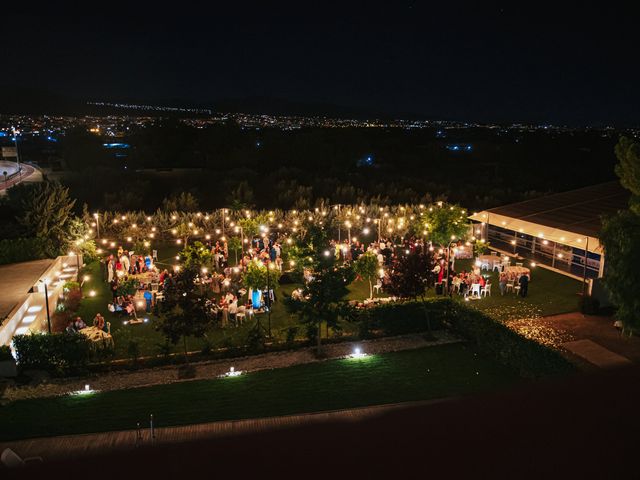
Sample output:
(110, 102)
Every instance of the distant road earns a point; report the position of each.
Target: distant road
(11, 167)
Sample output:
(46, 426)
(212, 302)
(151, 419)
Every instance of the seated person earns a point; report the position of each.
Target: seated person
(99, 322)
(70, 327)
(79, 324)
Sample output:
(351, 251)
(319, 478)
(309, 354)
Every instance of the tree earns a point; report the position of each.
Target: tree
(241, 197)
(323, 298)
(257, 276)
(196, 256)
(235, 245)
(620, 236)
(367, 267)
(444, 224)
(46, 213)
(409, 277)
(628, 170)
(182, 202)
(184, 311)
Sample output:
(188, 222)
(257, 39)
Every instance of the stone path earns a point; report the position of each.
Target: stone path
(596, 328)
(74, 446)
(596, 354)
(208, 370)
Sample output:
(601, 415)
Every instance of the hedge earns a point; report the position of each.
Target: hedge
(400, 318)
(21, 250)
(58, 353)
(493, 338)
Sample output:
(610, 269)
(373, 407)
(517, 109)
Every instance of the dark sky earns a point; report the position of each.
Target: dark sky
(573, 64)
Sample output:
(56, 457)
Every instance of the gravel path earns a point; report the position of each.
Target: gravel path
(212, 369)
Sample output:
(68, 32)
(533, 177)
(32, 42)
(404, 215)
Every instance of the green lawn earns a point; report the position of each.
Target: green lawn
(150, 340)
(428, 373)
(549, 293)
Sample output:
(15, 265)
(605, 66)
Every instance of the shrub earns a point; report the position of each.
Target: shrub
(59, 353)
(255, 340)
(493, 338)
(291, 335)
(528, 357)
(405, 317)
(5, 353)
(21, 250)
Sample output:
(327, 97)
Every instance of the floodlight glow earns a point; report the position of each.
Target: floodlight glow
(357, 353)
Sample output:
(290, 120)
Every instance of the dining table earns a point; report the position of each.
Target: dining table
(517, 271)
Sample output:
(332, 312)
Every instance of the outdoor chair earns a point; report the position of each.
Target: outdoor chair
(519, 264)
(484, 266)
(516, 289)
(11, 459)
(240, 315)
(486, 290)
(510, 285)
(377, 287)
(475, 290)
(497, 264)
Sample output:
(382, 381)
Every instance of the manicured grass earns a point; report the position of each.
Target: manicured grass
(549, 293)
(428, 373)
(150, 340)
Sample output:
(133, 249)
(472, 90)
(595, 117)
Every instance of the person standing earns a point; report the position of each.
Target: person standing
(524, 285)
(148, 297)
(502, 282)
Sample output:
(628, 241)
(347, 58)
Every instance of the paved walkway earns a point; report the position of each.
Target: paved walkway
(598, 330)
(596, 354)
(74, 446)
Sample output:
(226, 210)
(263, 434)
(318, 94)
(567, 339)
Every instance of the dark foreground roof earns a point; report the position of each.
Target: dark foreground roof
(578, 211)
(581, 426)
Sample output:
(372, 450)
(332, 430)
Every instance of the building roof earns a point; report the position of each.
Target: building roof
(572, 218)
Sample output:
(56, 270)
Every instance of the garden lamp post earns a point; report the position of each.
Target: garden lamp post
(269, 267)
(46, 302)
(97, 217)
(448, 255)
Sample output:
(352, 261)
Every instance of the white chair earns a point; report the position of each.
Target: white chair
(519, 264)
(11, 459)
(475, 290)
(516, 289)
(497, 264)
(377, 287)
(510, 285)
(486, 290)
(494, 253)
(484, 265)
(241, 315)
(109, 328)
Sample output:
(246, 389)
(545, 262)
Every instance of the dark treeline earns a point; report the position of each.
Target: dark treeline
(270, 168)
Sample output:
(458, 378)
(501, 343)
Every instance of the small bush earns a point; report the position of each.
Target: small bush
(255, 340)
(58, 353)
(5, 353)
(291, 335)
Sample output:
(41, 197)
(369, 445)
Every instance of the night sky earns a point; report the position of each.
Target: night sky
(491, 61)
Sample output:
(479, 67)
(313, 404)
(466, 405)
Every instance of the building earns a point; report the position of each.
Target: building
(559, 232)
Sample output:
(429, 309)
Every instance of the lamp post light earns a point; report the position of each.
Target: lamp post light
(452, 242)
(46, 302)
(269, 267)
(97, 217)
